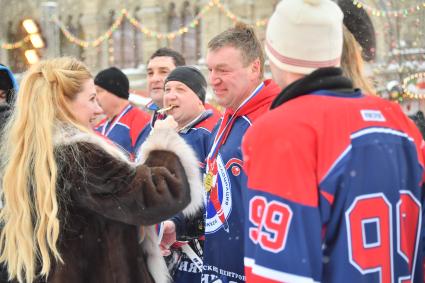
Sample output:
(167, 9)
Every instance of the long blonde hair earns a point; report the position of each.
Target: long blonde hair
(28, 240)
(352, 63)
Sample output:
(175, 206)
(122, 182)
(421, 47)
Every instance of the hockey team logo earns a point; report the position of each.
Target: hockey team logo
(218, 211)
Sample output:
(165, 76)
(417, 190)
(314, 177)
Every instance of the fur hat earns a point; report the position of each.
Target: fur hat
(304, 35)
(114, 81)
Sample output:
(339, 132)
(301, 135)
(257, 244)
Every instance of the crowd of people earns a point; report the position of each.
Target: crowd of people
(304, 177)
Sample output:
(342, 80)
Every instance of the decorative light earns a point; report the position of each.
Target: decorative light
(30, 26)
(32, 56)
(395, 13)
(124, 14)
(410, 79)
(36, 40)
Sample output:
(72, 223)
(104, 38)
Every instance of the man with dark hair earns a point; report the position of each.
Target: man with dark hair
(123, 123)
(335, 177)
(160, 64)
(235, 62)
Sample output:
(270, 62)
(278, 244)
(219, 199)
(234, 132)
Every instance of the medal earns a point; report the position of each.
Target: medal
(208, 182)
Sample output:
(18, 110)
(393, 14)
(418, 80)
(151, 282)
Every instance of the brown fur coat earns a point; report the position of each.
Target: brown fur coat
(104, 199)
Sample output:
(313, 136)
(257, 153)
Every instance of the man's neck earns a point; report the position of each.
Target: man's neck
(196, 114)
(251, 90)
(118, 109)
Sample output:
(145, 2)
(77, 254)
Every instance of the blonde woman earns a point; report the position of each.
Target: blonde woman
(72, 203)
(352, 63)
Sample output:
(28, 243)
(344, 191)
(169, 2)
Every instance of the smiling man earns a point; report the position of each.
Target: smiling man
(235, 62)
(160, 64)
(185, 89)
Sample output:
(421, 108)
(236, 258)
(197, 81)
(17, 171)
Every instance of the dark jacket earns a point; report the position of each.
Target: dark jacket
(103, 201)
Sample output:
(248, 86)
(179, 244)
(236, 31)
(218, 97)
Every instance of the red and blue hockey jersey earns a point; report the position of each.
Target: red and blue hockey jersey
(334, 192)
(223, 246)
(197, 134)
(125, 128)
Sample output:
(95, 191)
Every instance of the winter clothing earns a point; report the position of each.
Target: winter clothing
(302, 20)
(197, 134)
(192, 78)
(333, 176)
(223, 247)
(125, 128)
(114, 81)
(104, 199)
(360, 25)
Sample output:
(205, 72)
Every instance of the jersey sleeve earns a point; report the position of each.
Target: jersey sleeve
(282, 225)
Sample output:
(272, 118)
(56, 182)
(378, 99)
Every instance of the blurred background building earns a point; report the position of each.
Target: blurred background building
(124, 33)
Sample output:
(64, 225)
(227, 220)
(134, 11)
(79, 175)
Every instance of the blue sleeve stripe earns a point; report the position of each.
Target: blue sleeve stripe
(276, 275)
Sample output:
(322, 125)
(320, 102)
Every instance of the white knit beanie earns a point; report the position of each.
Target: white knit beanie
(304, 35)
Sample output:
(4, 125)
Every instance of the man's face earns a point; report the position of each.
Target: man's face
(187, 104)
(108, 101)
(231, 81)
(157, 70)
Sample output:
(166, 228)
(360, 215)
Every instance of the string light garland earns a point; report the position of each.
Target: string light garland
(385, 13)
(408, 80)
(124, 14)
(169, 35)
(95, 42)
(15, 45)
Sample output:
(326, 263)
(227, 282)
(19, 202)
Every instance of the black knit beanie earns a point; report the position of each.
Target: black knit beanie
(191, 77)
(114, 81)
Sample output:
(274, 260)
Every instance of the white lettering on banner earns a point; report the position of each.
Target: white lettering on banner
(207, 278)
(193, 268)
(183, 265)
(229, 274)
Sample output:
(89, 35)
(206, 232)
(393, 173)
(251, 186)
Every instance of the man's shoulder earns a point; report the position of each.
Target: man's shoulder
(209, 122)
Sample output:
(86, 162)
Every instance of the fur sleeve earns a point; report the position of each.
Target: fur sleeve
(169, 140)
(138, 195)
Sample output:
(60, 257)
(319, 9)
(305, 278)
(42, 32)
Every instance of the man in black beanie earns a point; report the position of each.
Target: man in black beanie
(124, 122)
(185, 89)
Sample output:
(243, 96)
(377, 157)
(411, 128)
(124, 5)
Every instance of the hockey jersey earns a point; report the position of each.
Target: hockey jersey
(125, 128)
(334, 192)
(223, 246)
(197, 135)
(157, 116)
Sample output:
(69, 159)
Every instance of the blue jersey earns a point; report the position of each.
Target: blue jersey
(146, 131)
(197, 135)
(125, 129)
(223, 247)
(334, 192)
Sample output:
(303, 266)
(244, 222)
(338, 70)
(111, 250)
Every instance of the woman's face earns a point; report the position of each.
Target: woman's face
(85, 107)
